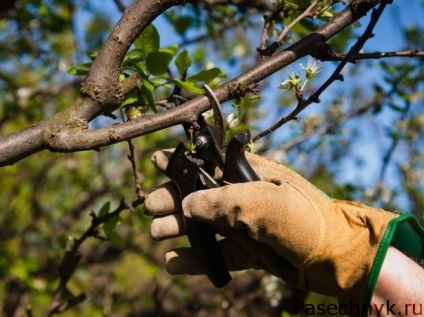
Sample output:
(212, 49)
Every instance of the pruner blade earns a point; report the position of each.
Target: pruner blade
(207, 180)
(218, 116)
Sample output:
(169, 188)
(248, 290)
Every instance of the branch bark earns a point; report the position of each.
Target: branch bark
(67, 130)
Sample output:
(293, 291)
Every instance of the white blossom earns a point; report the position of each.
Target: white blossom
(293, 81)
(312, 68)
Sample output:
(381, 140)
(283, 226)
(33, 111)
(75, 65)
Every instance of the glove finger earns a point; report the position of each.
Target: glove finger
(235, 205)
(160, 159)
(186, 261)
(163, 200)
(239, 254)
(166, 227)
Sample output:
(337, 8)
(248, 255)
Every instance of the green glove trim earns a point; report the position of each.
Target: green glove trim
(405, 234)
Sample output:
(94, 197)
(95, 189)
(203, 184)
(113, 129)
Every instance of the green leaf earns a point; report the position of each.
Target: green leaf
(111, 223)
(158, 62)
(183, 24)
(134, 56)
(104, 210)
(141, 69)
(291, 5)
(147, 84)
(308, 25)
(173, 49)
(110, 230)
(93, 56)
(79, 70)
(148, 41)
(183, 62)
(207, 75)
(115, 238)
(130, 98)
(187, 85)
(147, 92)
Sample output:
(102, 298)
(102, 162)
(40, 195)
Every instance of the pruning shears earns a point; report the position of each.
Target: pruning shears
(193, 170)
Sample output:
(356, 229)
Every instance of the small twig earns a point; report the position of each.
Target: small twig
(336, 75)
(305, 14)
(395, 141)
(374, 55)
(131, 158)
(264, 37)
(262, 49)
(120, 5)
(130, 83)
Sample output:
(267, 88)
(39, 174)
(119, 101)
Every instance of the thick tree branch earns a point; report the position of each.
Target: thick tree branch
(45, 134)
(20, 144)
(67, 131)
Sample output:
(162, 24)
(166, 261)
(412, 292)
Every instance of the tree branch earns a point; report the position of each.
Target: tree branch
(67, 131)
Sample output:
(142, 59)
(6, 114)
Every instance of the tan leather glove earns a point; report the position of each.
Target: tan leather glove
(281, 224)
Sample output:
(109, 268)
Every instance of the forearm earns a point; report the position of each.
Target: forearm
(399, 289)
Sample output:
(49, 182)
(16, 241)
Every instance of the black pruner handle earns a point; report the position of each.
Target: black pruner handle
(184, 172)
(237, 169)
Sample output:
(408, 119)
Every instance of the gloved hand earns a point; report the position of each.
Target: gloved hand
(281, 224)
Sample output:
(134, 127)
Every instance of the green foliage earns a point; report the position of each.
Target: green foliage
(153, 64)
(79, 70)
